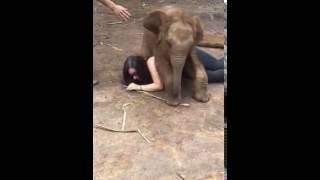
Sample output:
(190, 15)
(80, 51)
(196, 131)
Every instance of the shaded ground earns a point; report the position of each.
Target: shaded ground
(184, 140)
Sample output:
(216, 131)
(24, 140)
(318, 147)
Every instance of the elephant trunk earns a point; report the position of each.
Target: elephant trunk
(177, 62)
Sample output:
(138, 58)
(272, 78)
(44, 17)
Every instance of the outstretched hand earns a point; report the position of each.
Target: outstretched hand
(133, 86)
(121, 12)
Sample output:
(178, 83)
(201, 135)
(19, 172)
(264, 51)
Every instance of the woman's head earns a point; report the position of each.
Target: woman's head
(135, 70)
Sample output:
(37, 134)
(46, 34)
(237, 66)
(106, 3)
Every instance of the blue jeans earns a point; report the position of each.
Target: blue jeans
(214, 67)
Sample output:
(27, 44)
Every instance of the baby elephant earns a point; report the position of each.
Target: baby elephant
(171, 35)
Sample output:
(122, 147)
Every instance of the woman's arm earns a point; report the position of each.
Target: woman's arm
(108, 3)
(117, 9)
(156, 85)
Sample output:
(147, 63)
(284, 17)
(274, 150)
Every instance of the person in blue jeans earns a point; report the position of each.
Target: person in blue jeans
(214, 67)
(139, 74)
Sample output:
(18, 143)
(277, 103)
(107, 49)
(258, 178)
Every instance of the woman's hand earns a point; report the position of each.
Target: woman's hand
(133, 86)
(121, 12)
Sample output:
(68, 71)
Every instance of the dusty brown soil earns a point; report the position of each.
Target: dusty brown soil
(184, 140)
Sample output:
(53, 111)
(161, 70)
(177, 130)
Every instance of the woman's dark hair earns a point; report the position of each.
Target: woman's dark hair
(141, 67)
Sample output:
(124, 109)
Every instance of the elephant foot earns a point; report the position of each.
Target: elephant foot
(174, 101)
(205, 97)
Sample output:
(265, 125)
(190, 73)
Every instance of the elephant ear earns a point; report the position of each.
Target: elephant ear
(198, 32)
(154, 21)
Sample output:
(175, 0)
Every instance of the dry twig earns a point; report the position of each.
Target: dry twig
(112, 23)
(145, 138)
(115, 48)
(123, 131)
(180, 176)
(115, 130)
(124, 116)
(160, 98)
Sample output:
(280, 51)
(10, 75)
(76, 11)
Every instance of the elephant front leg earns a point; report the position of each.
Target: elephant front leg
(200, 78)
(173, 98)
(166, 76)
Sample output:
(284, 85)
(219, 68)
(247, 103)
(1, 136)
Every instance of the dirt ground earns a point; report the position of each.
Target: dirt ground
(185, 141)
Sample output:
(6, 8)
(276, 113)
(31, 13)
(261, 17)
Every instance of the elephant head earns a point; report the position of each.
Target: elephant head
(177, 34)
